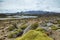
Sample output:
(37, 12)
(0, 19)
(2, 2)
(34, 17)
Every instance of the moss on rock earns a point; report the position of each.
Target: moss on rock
(54, 27)
(34, 35)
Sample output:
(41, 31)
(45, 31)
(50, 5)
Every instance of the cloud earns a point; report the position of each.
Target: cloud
(22, 5)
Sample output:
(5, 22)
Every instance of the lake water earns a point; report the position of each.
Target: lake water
(18, 17)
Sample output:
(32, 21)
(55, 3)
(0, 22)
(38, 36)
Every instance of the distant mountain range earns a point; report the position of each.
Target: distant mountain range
(41, 13)
(33, 13)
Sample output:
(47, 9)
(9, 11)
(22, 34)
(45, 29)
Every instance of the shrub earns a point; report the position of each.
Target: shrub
(11, 28)
(58, 21)
(23, 26)
(34, 26)
(14, 34)
(54, 27)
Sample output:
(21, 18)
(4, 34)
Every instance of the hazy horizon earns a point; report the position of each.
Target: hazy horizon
(7, 6)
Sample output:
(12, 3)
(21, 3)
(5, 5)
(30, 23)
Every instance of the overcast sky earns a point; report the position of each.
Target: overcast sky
(26, 5)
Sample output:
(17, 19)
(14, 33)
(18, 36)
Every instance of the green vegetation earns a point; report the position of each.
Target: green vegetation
(13, 34)
(23, 26)
(34, 35)
(54, 27)
(29, 29)
(58, 21)
(40, 29)
(34, 26)
(11, 28)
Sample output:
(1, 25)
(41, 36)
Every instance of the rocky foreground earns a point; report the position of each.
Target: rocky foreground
(43, 28)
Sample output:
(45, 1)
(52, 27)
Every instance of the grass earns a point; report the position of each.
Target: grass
(34, 35)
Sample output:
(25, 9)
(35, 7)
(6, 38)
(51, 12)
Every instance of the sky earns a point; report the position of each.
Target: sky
(28, 5)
